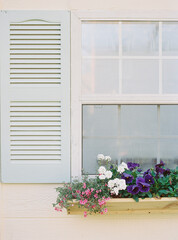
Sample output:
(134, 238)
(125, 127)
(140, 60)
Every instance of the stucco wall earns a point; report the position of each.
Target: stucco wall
(26, 211)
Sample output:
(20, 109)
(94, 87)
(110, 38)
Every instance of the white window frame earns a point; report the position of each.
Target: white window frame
(77, 17)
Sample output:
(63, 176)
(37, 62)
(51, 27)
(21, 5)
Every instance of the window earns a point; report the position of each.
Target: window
(129, 81)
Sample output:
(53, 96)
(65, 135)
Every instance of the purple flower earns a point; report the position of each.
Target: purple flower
(133, 189)
(139, 169)
(140, 179)
(143, 187)
(129, 178)
(167, 172)
(149, 179)
(159, 170)
(111, 166)
(147, 172)
(161, 164)
(132, 166)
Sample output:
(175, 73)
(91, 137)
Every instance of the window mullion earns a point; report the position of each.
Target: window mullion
(158, 133)
(160, 57)
(120, 57)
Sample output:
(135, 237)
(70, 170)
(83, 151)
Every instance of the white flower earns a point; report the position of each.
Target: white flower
(116, 181)
(102, 170)
(116, 190)
(111, 183)
(100, 157)
(102, 176)
(122, 184)
(108, 174)
(122, 167)
(107, 158)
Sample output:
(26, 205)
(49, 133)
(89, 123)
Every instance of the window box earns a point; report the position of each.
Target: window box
(128, 205)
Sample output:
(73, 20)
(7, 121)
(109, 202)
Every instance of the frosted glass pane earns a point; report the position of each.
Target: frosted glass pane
(140, 38)
(169, 152)
(169, 120)
(100, 76)
(139, 120)
(100, 120)
(170, 76)
(100, 39)
(170, 38)
(143, 151)
(140, 76)
(92, 147)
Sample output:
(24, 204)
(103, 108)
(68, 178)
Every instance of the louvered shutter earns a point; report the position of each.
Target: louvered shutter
(35, 96)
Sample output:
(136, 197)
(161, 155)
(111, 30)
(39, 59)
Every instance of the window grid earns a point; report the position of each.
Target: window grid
(121, 57)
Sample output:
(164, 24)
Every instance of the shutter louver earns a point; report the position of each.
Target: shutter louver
(32, 124)
(35, 50)
(35, 96)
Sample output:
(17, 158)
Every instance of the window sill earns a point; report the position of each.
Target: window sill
(128, 205)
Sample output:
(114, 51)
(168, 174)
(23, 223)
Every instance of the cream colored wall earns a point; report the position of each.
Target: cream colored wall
(90, 4)
(26, 211)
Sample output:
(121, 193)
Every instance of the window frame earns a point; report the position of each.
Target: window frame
(77, 100)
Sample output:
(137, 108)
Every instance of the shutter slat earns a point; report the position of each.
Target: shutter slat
(34, 114)
(23, 42)
(35, 61)
(36, 157)
(27, 143)
(33, 148)
(33, 138)
(16, 47)
(35, 71)
(32, 51)
(35, 66)
(36, 124)
(35, 109)
(38, 27)
(35, 104)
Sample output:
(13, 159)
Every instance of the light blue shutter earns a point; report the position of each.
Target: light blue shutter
(35, 96)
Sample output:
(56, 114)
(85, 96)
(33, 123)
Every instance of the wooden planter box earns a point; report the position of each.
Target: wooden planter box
(128, 205)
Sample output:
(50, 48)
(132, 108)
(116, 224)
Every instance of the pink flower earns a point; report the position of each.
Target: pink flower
(88, 192)
(96, 195)
(101, 202)
(78, 191)
(101, 213)
(58, 209)
(84, 185)
(97, 191)
(82, 202)
(92, 189)
(105, 210)
(100, 190)
(85, 214)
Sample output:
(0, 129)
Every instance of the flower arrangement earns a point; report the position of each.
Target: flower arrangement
(126, 180)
